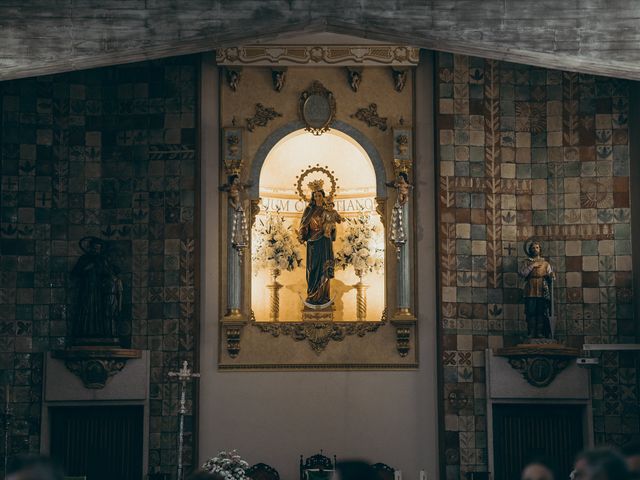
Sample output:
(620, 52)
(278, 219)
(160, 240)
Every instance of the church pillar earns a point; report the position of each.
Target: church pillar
(234, 271)
(404, 269)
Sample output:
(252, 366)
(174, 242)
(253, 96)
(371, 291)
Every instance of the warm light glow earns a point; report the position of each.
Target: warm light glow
(357, 189)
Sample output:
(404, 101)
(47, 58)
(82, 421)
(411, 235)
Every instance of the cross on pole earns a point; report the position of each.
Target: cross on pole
(184, 375)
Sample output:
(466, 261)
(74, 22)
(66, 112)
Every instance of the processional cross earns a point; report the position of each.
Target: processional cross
(184, 375)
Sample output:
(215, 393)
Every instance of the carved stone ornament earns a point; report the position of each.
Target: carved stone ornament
(539, 363)
(279, 77)
(262, 116)
(458, 400)
(370, 116)
(95, 365)
(233, 146)
(399, 78)
(233, 77)
(318, 334)
(232, 334)
(403, 337)
(255, 210)
(317, 108)
(357, 55)
(355, 77)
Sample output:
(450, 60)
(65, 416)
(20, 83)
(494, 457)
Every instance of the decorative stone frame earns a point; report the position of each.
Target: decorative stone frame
(248, 344)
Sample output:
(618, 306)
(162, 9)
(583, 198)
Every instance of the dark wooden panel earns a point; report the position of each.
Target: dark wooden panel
(592, 36)
(101, 443)
(525, 432)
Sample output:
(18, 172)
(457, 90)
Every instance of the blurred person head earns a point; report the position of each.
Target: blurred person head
(33, 467)
(600, 464)
(631, 452)
(538, 469)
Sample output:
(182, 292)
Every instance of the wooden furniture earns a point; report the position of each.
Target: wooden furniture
(262, 471)
(317, 467)
(383, 471)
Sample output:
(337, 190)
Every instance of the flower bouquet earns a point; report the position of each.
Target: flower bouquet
(274, 246)
(227, 464)
(360, 248)
(275, 250)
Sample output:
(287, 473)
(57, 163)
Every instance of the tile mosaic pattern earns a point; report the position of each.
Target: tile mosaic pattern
(525, 151)
(110, 153)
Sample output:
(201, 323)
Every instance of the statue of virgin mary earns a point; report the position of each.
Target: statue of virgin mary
(320, 260)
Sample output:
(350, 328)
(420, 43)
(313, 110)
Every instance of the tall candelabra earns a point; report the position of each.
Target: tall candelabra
(184, 375)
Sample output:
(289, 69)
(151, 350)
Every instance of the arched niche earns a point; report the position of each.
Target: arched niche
(345, 128)
(356, 201)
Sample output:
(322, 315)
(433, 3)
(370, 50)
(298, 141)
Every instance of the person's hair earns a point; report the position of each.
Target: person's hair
(605, 463)
(356, 470)
(42, 468)
(404, 175)
(543, 461)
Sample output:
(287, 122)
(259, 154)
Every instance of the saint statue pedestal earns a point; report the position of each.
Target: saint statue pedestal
(318, 314)
(94, 365)
(540, 360)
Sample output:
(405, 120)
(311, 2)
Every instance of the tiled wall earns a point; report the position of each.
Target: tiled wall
(110, 153)
(525, 151)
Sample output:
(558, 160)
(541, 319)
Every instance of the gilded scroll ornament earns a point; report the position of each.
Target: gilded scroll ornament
(262, 116)
(370, 116)
(319, 334)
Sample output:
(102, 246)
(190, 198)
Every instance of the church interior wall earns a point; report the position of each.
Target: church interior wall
(109, 153)
(522, 151)
(529, 152)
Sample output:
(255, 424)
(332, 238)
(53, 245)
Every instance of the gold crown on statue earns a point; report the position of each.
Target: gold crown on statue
(316, 185)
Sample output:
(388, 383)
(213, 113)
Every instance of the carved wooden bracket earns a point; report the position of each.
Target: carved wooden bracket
(232, 332)
(94, 365)
(539, 363)
(403, 336)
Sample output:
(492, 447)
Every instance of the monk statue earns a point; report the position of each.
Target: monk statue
(98, 295)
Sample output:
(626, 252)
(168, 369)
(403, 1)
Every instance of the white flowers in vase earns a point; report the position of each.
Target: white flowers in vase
(361, 246)
(274, 246)
(227, 464)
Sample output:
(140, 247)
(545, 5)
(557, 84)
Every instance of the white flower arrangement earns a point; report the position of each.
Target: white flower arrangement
(361, 246)
(274, 245)
(227, 464)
